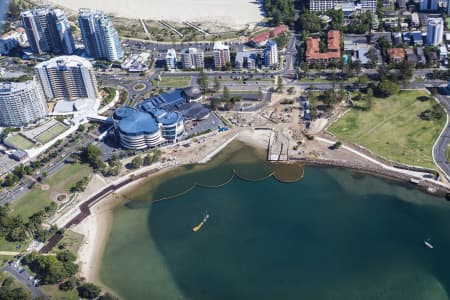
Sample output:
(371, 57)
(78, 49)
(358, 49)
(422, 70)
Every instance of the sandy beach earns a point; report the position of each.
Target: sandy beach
(237, 12)
(96, 227)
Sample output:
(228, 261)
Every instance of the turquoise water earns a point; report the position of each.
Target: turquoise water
(334, 235)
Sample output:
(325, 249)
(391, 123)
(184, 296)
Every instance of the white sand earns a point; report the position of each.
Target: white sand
(221, 11)
(95, 229)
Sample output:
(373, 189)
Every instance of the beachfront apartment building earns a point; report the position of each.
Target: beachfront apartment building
(192, 58)
(67, 78)
(221, 55)
(333, 53)
(171, 59)
(324, 5)
(48, 31)
(21, 103)
(100, 38)
(435, 31)
(271, 54)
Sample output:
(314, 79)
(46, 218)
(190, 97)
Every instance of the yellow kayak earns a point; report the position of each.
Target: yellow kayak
(200, 225)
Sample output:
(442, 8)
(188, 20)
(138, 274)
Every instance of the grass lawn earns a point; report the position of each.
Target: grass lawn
(53, 292)
(11, 246)
(31, 202)
(51, 133)
(37, 199)
(71, 241)
(175, 82)
(393, 129)
(65, 178)
(20, 142)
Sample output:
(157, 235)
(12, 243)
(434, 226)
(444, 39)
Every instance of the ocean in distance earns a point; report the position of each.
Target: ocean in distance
(335, 234)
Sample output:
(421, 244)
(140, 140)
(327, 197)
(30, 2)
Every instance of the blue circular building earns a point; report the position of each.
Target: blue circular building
(147, 126)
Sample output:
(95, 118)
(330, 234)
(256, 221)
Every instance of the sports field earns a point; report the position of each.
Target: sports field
(393, 129)
(51, 133)
(20, 142)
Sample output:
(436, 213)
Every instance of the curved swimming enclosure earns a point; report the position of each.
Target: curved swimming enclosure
(244, 163)
(335, 234)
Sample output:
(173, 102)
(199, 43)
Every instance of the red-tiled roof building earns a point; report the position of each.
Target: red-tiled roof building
(333, 54)
(396, 55)
(261, 39)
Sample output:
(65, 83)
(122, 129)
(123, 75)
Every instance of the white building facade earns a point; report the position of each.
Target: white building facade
(48, 30)
(271, 54)
(193, 58)
(67, 78)
(21, 103)
(171, 59)
(221, 55)
(100, 38)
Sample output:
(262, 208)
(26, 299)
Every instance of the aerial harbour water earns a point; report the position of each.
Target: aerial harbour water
(334, 234)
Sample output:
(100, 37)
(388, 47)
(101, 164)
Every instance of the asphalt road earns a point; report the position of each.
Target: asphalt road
(50, 169)
(439, 151)
(23, 278)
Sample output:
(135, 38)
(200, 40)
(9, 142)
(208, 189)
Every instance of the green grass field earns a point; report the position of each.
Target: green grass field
(61, 182)
(20, 142)
(72, 241)
(51, 133)
(65, 178)
(12, 246)
(54, 292)
(175, 82)
(393, 129)
(31, 202)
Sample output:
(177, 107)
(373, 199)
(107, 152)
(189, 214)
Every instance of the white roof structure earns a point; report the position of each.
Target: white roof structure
(66, 61)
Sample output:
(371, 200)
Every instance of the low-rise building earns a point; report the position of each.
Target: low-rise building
(415, 20)
(433, 58)
(333, 54)
(12, 39)
(411, 57)
(245, 59)
(136, 62)
(420, 55)
(406, 38)
(171, 59)
(397, 38)
(417, 38)
(261, 39)
(443, 53)
(396, 55)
